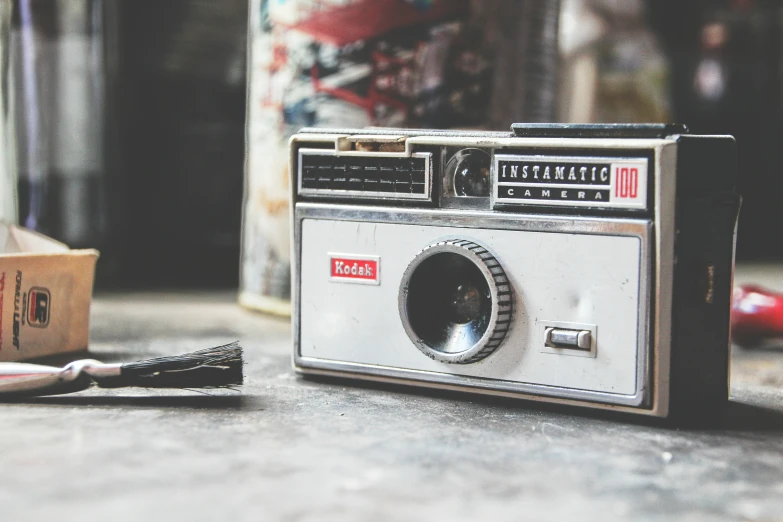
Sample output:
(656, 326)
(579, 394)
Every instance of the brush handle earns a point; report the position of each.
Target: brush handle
(35, 379)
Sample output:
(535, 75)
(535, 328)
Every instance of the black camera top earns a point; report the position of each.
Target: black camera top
(598, 130)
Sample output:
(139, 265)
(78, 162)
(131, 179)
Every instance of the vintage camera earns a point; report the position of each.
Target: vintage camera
(581, 264)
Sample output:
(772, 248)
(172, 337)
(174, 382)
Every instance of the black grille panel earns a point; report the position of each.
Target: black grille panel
(364, 176)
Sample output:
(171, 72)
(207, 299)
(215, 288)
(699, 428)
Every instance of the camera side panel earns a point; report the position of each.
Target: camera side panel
(707, 207)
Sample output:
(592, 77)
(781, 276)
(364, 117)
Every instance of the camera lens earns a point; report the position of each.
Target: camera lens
(449, 302)
(455, 301)
(465, 303)
(469, 170)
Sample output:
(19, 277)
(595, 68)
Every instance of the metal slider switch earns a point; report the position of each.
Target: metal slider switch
(573, 339)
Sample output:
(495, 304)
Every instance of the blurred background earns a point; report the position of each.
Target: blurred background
(151, 130)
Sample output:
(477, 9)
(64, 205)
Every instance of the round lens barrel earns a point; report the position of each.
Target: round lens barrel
(455, 301)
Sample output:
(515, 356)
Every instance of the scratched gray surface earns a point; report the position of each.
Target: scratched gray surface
(290, 449)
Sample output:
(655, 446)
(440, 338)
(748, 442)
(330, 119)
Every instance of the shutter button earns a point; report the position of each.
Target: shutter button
(573, 339)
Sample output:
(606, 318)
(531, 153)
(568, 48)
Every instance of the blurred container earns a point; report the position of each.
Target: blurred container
(59, 82)
(129, 122)
(399, 63)
(8, 167)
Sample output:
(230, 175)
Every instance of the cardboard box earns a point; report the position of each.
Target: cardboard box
(45, 293)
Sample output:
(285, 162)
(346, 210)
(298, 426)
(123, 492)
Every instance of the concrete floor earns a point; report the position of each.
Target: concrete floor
(293, 449)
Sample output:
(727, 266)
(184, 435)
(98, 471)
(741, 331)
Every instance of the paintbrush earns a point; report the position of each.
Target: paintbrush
(219, 367)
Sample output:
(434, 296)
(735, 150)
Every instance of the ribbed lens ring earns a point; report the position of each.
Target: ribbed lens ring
(455, 301)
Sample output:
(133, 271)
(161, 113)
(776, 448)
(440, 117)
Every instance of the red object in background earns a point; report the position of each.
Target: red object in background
(756, 315)
(368, 19)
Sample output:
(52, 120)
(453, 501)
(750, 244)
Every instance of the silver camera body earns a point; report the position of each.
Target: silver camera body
(588, 265)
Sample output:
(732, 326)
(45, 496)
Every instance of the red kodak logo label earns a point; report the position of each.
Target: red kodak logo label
(348, 268)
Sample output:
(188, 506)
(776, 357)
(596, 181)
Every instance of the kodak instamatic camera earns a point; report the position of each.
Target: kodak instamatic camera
(589, 265)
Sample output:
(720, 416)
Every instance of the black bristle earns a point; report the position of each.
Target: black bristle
(219, 367)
